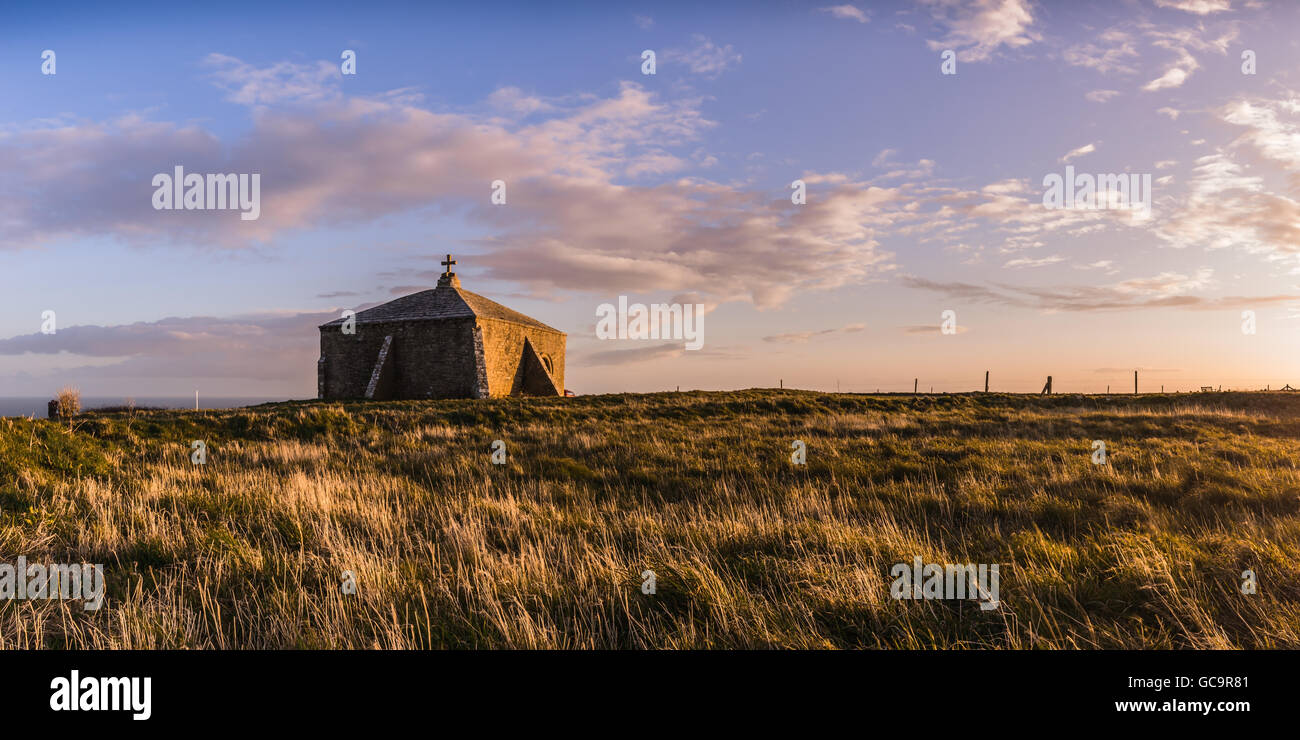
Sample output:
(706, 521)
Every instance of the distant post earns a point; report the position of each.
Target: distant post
(1047, 389)
(986, 381)
(782, 382)
(1135, 382)
(915, 381)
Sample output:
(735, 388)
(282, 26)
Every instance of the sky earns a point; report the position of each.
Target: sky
(924, 190)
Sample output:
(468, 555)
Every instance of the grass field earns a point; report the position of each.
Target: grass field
(749, 550)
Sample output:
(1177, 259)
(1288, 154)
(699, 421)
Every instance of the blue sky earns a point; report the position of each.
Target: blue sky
(924, 188)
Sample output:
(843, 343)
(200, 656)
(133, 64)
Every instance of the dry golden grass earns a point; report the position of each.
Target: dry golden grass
(749, 551)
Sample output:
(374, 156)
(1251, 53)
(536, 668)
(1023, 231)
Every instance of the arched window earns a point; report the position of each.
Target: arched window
(546, 362)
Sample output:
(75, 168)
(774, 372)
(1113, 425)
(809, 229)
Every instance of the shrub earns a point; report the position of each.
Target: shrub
(69, 399)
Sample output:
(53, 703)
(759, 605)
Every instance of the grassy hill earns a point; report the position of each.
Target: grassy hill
(749, 550)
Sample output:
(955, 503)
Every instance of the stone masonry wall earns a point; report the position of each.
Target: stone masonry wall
(503, 346)
(432, 359)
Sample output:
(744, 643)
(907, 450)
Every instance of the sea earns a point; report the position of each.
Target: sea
(38, 407)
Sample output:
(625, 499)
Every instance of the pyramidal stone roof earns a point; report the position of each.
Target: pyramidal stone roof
(447, 301)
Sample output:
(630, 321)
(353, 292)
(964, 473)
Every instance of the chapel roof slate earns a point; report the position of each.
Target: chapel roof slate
(447, 301)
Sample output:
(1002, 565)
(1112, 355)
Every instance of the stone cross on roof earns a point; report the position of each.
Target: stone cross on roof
(448, 278)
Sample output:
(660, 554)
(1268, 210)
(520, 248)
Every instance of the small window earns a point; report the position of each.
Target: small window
(546, 362)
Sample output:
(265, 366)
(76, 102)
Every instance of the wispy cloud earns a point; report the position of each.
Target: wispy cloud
(1166, 290)
(847, 12)
(1107, 266)
(514, 100)
(931, 329)
(1228, 207)
(804, 336)
(650, 353)
(1032, 262)
(1199, 7)
(1100, 96)
(1113, 50)
(705, 58)
(1079, 152)
(1181, 42)
(978, 29)
(282, 82)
